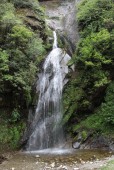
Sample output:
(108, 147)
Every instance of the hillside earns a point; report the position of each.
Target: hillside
(88, 96)
(89, 106)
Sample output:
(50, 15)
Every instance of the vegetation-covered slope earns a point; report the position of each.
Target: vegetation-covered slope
(22, 48)
(89, 96)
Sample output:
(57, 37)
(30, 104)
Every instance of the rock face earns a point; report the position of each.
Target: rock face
(65, 70)
(61, 16)
(33, 20)
(93, 142)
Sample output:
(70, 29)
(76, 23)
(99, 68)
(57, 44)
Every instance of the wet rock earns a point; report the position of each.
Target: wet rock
(76, 145)
(65, 69)
(70, 24)
(93, 142)
(111, 146)
(99, 142)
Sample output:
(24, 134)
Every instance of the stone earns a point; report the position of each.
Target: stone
(91, 162)
(101, 165)
(12, 168)
(64, 167)
(59, 167)
(76, 145)
(53, 165)
(111, 146)
(47, 167)
(37, 156)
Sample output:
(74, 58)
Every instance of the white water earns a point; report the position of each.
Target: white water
(55, 40)
(47, 131)
(50, 151)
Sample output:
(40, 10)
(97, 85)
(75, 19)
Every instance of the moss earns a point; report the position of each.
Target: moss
(84, 135)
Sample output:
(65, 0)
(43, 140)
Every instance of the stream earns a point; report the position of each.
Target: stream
(77, 160)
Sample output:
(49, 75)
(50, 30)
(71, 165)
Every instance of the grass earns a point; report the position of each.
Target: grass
(109, 166)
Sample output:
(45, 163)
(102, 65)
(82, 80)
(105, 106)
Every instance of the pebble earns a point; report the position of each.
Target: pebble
(37, 156)
(59, 167)
(83, 162)
(91, 162)
(53, 165)
(101, 165)
(12, 168)
(47, 167)
(64, 167)
(76, 169)
(75, 162)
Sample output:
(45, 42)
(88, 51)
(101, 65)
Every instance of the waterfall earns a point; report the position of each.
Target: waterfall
(55, 40)
(47, 131)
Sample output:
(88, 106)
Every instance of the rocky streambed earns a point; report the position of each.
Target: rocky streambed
(78, 160)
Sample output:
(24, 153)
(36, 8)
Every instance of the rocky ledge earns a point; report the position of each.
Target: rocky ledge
(92, 141)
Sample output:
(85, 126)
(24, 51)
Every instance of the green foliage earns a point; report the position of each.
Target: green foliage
(22, 49)
(34, 4)
(4, 67)
(25, 3)
(21, 34)
(107, 108)
(21, 52)
(8, 17)
(15, 134)
(84, 135)
(15, 116)
(35, 48)
(94, 63)
(72, 99)
(3, 61)
(93, 15)
(10, 134)
(102, 120)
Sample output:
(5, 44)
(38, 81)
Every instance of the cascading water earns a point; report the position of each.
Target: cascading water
(46, 129)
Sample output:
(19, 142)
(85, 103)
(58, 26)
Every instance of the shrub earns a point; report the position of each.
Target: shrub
(94, 61)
